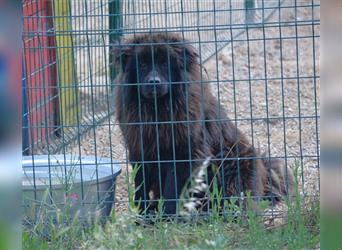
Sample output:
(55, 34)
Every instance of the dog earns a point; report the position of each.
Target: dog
(170, 123)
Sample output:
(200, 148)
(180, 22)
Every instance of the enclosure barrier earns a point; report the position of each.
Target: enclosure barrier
(261, 57)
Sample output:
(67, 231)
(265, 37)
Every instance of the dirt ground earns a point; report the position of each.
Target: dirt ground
(269, 84)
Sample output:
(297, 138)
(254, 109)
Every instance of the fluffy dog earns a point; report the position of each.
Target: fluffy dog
(170, 123)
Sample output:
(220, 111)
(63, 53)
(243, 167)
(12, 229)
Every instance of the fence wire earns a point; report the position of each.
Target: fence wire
(261, 58)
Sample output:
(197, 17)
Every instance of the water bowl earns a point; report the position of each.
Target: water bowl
(68, 187)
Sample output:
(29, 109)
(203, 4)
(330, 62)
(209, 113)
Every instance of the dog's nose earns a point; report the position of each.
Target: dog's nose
(154, 80)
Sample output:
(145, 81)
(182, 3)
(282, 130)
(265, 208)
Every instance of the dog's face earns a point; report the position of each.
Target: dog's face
(153, 69)
(155, 64)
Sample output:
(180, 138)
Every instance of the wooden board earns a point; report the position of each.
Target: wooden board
(66, 72)
(39, 75)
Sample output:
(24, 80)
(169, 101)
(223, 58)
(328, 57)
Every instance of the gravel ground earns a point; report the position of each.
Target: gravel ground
(267, 85)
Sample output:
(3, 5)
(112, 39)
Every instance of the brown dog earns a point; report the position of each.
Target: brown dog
(170, 123)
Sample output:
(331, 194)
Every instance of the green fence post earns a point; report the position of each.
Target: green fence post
(250, 6)
(115, 31)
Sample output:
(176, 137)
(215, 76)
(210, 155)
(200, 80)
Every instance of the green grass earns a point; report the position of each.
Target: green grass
(301, 231)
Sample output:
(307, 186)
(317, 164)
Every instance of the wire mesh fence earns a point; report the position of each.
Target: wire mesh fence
(260, 59)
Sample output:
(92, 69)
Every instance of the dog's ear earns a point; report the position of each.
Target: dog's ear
(187, 55)
(121, 52)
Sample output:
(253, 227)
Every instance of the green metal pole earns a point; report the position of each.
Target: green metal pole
(250, 6)
(115, 31)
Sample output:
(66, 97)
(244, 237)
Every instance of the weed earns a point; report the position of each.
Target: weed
(231, 228)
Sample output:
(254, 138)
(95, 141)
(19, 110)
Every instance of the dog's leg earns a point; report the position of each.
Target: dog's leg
(169, 192)
(175, 180)
(142, 188)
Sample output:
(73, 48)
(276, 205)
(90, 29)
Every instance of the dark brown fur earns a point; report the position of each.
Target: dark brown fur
(189, 115)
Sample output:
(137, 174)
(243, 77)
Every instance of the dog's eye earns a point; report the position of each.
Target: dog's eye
(143, 66)
(164, 64)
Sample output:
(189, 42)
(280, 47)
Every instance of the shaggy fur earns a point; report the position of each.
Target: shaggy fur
(172, 124)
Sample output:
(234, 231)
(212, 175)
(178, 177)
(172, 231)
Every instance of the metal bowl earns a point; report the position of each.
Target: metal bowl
(76, 186)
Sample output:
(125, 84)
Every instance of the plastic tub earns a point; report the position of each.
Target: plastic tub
(74, 186)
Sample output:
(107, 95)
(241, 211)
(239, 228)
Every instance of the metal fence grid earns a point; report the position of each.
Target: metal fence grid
(81, 31)
(261, 56)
